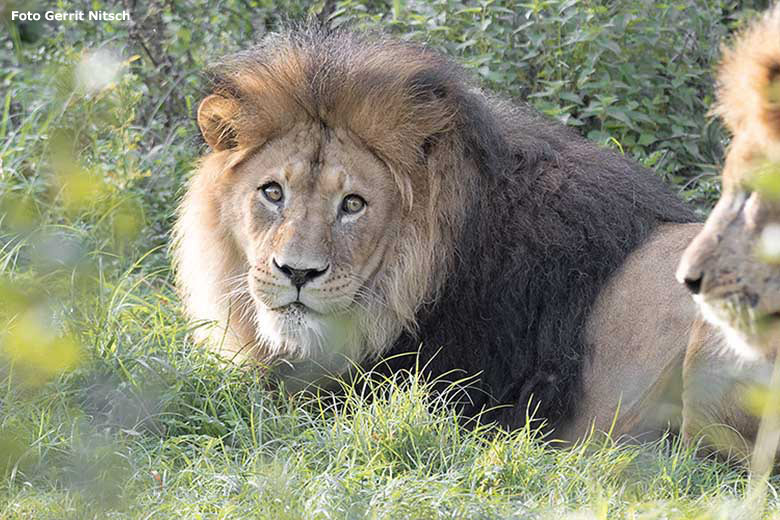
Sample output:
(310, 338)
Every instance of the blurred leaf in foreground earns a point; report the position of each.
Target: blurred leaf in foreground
(32, 345)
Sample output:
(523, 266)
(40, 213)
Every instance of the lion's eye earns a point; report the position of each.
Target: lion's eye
(273, 192)
(353, 204)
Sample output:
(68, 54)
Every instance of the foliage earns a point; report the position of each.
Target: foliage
(634, 76)
(108, 410)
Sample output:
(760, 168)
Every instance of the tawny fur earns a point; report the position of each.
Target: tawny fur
(739, 285)
(391, 116)
(508, 226)
(525, 258)
(748, 93)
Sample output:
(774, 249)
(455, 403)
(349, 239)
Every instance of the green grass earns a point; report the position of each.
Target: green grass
(158, 429)
(108, 410)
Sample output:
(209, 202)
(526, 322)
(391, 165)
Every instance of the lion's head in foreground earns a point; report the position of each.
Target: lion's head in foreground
(363, 197)
(323, 218)
(733, 265)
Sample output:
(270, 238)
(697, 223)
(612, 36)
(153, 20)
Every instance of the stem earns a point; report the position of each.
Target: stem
(765, 448)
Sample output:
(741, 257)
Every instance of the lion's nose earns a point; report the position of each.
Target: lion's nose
(693, 285)
(300, 276)
(690, 276)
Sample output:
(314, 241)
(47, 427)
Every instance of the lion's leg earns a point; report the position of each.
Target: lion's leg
(715, 380)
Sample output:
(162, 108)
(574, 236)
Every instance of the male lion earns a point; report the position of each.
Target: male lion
(732, 267)
(363, 198)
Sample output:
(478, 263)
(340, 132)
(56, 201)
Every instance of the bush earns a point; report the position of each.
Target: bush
(634, 76)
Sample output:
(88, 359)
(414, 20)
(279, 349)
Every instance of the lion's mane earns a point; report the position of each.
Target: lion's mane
(512, 222)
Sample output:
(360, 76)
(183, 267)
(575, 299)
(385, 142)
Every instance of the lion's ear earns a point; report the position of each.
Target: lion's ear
(216, 119)
(430, 93)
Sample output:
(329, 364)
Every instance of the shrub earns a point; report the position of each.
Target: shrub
(634, 76)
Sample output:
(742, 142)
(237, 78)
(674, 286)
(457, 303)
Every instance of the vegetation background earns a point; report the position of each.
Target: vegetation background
(107, 410)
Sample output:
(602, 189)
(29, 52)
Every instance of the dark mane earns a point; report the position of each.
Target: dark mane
(555, 217)
(546, 218)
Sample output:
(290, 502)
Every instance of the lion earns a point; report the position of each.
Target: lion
(364, 199)
(732, 267)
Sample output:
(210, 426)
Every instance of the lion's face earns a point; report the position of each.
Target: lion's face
(326, 213)
(732, 267)
(315, 214)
